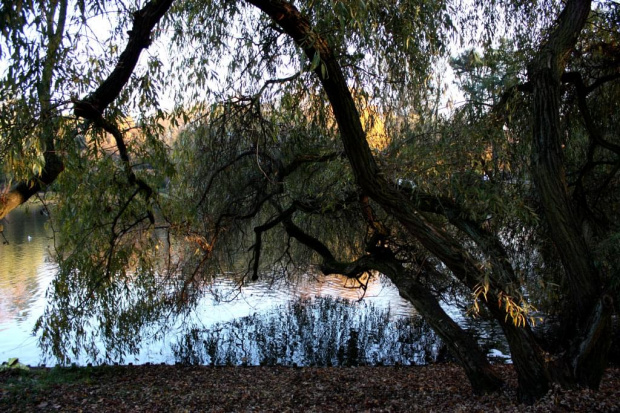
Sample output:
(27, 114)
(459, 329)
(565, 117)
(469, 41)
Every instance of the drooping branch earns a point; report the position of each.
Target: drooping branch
(258, 231)
(284, 217)
(221, 169)
(309, 241)
(112, 129)
(367, 173)
(265, 191)
(368, 176)
(91, 108)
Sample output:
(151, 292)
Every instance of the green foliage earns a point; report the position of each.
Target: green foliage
(483, 76)
(13, 364)
(251, 135)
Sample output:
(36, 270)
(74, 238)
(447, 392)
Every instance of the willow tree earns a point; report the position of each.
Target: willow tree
(315, 138)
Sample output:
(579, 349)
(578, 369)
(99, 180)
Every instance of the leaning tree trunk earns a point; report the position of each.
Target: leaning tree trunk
(461, 345)
(584, 359)
(368, 176)
(587, 311)
(55, 17)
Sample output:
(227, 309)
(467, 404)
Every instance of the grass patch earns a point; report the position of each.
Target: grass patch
(24, 387)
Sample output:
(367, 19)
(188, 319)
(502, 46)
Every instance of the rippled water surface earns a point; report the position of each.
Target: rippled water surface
(25, 274)
(26, 271)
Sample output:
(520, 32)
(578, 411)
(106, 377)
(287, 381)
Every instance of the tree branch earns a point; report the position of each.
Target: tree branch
(300, 160)
(369, 177)
(308, 240)
(258, 231)
(460, 344)
(112, 129)
(144, 20)
(92, 107)
(582, 92)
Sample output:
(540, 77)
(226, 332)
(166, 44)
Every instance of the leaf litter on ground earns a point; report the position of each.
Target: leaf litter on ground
(165, 388)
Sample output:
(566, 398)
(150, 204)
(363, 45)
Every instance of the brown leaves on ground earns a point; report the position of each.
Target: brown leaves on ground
(438, 388)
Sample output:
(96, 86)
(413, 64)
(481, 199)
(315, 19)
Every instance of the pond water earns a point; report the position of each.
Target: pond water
(26, 271)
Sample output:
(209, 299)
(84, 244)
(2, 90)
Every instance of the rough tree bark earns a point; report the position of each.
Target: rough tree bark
(55, 19)
(367, 174)
(587, 310)
(461, 345)
(585, 361)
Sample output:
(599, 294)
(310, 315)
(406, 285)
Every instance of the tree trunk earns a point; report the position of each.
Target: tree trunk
(23, 191)
(55, 14)
(527, 357)
(93, 105)
(586, 359)
(460, 344)
(370, 179)
(587, 310)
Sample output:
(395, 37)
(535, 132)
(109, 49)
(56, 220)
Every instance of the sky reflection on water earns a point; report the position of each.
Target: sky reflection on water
(26, 271)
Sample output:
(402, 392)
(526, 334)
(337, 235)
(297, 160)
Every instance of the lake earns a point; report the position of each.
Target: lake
(26, 271)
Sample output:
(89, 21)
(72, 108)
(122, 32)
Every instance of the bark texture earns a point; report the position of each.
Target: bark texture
(587, 312)
(367, 174)
(584, 363)
(460, 344)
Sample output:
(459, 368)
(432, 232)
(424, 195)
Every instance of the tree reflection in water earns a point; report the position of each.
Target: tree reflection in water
(323, 331)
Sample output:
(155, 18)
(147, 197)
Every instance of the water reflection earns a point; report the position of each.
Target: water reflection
(25, 274)
(26, 271)
(312, 332)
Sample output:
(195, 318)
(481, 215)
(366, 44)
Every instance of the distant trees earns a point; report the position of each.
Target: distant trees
(508, 201)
